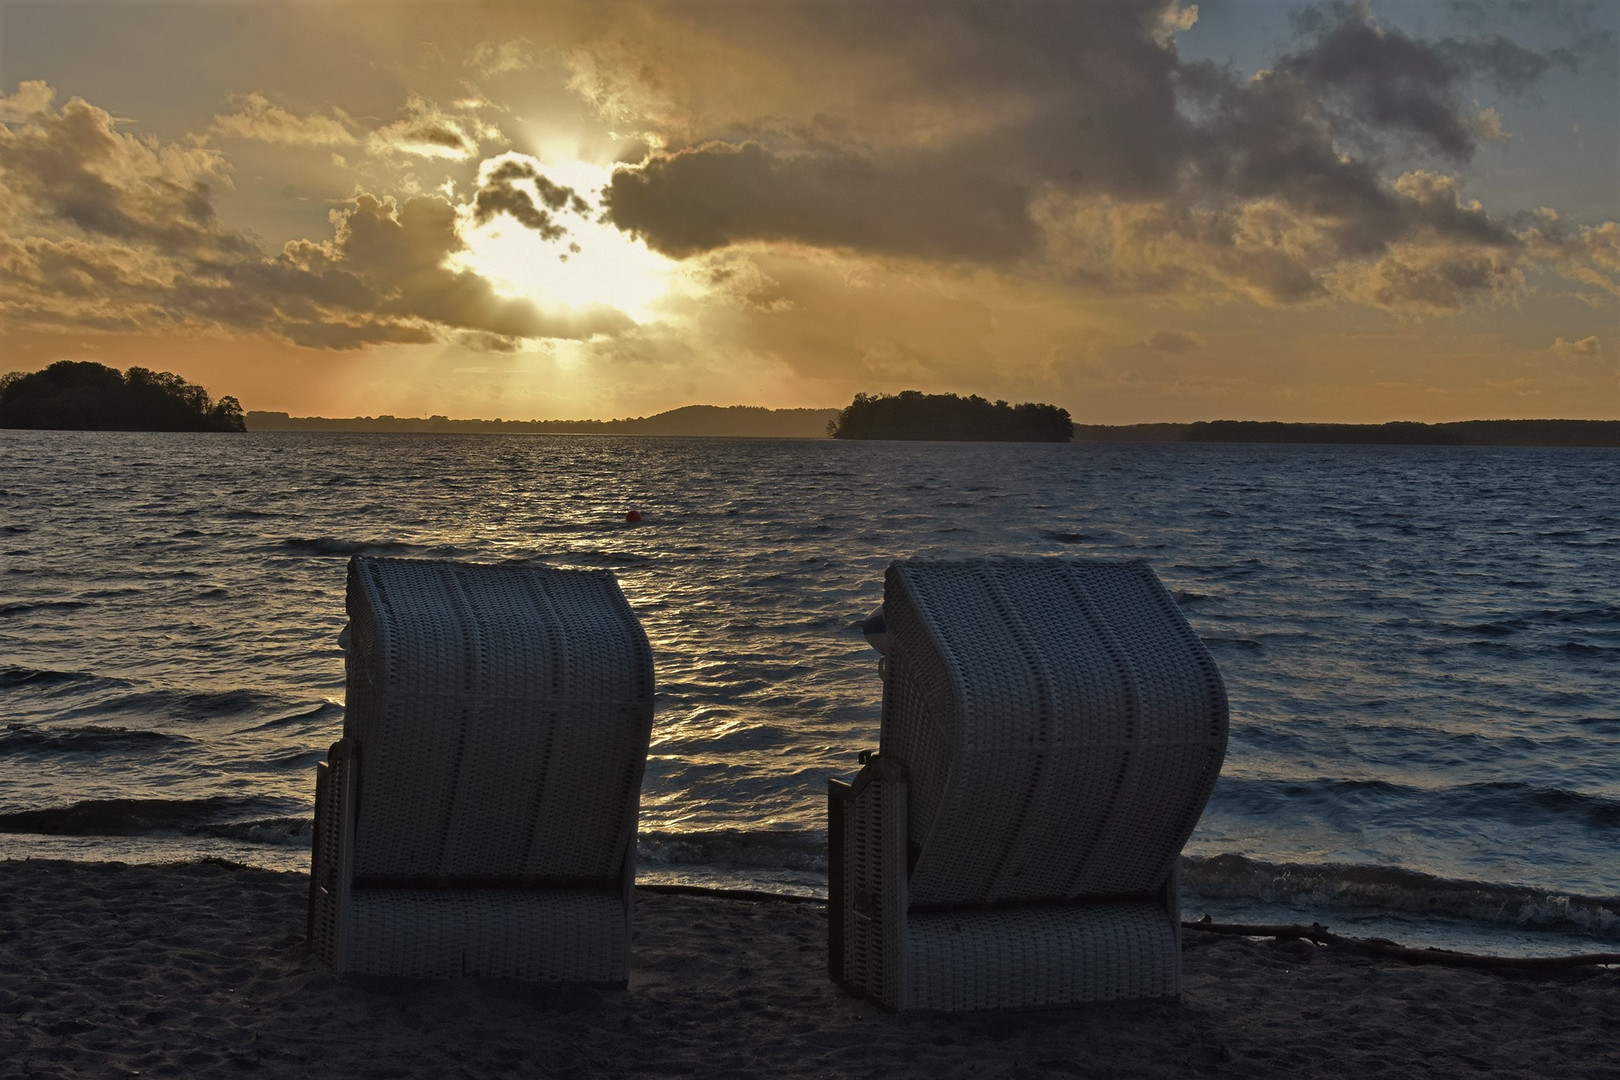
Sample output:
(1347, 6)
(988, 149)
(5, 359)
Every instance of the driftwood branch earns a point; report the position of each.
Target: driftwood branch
(1320, 935)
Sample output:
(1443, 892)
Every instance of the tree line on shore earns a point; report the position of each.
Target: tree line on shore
(79, 395)
(1395, 433)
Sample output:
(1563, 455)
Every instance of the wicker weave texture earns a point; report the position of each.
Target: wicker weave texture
(327, 876)
(479, 815)
(1059, 723)
(1009, 957)
(503, 716)
(874, 900)
(1052, 729)
(438, 934)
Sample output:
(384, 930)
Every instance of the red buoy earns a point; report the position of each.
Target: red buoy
(633, 516)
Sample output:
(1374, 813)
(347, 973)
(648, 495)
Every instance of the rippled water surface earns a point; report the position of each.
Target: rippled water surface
(1421, 645)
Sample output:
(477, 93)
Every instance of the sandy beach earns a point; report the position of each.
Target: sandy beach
(201, 970)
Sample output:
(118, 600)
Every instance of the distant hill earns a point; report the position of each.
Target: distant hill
(747, 421)
(736, 421)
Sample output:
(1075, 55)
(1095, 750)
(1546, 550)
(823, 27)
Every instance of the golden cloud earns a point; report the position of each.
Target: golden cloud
(260, 120)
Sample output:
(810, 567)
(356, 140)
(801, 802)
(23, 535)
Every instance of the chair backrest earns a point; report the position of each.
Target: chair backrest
(1059, 723)
(502, 716)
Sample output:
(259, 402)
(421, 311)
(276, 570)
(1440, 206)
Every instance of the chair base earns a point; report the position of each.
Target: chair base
(1028, 956)
(537, 937)
(961, 959)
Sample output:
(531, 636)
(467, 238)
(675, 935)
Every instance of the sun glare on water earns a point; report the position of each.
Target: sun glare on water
(593, 264)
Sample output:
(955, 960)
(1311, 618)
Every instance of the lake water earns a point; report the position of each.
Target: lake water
(1421, 645)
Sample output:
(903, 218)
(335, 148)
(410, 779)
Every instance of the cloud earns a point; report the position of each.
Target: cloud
(534, 204)
(1069, 126)
(1424, 251)
(1425, 279)
(1585, 350)
(109, 231)
(880, 131)
(1386, 81)
(500, 58)
(31, 99)
(1588, 255)
(73, 165)
(260, 120)
(1488, 126)
(429, 131)
(1176, 341)
(385, 267)
(904, 204)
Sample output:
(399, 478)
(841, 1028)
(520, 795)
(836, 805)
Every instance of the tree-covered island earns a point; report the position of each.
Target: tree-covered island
(79, 395)
(911, 414)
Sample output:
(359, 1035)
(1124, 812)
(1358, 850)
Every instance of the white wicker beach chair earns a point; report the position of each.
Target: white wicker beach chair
(1052, 729)
(478, 817)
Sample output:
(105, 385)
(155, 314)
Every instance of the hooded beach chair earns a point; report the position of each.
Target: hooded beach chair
(1051, 731)
(478, 817)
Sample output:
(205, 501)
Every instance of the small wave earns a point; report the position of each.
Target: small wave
(1576, 648)
(1245, 644)
(734, 849)
(609, 559)
(209, 705)
(1392, 889)
(328, 545)
(22, 676)
(270, 832)
(125, 817)
(321, 710)
(1514, 800)
(41, 605)
(29, 739)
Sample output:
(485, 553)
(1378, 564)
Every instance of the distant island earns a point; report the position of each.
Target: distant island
(1399, 433)
(734, 422)
(912, 414)
(78, 395)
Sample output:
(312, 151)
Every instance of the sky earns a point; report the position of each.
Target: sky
(1139, 210)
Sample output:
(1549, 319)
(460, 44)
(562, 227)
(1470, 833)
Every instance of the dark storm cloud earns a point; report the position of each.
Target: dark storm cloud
(1388, 81)
(1086, 99)
(719, 194)
(1091, 101)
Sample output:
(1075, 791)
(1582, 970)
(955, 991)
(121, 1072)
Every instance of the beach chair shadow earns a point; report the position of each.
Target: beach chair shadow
(1051, 731)
(478, 817)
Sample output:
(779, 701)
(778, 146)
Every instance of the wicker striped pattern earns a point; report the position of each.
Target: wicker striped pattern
(1056, 727)
(498, 721)
(549, 935)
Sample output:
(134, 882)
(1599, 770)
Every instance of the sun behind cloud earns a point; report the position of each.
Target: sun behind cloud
(534, 231)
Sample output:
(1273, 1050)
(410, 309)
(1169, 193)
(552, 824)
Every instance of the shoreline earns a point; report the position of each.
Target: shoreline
(200, 969)
(1429, 912)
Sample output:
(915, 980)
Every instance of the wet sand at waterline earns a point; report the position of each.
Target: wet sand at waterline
(201, 969)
